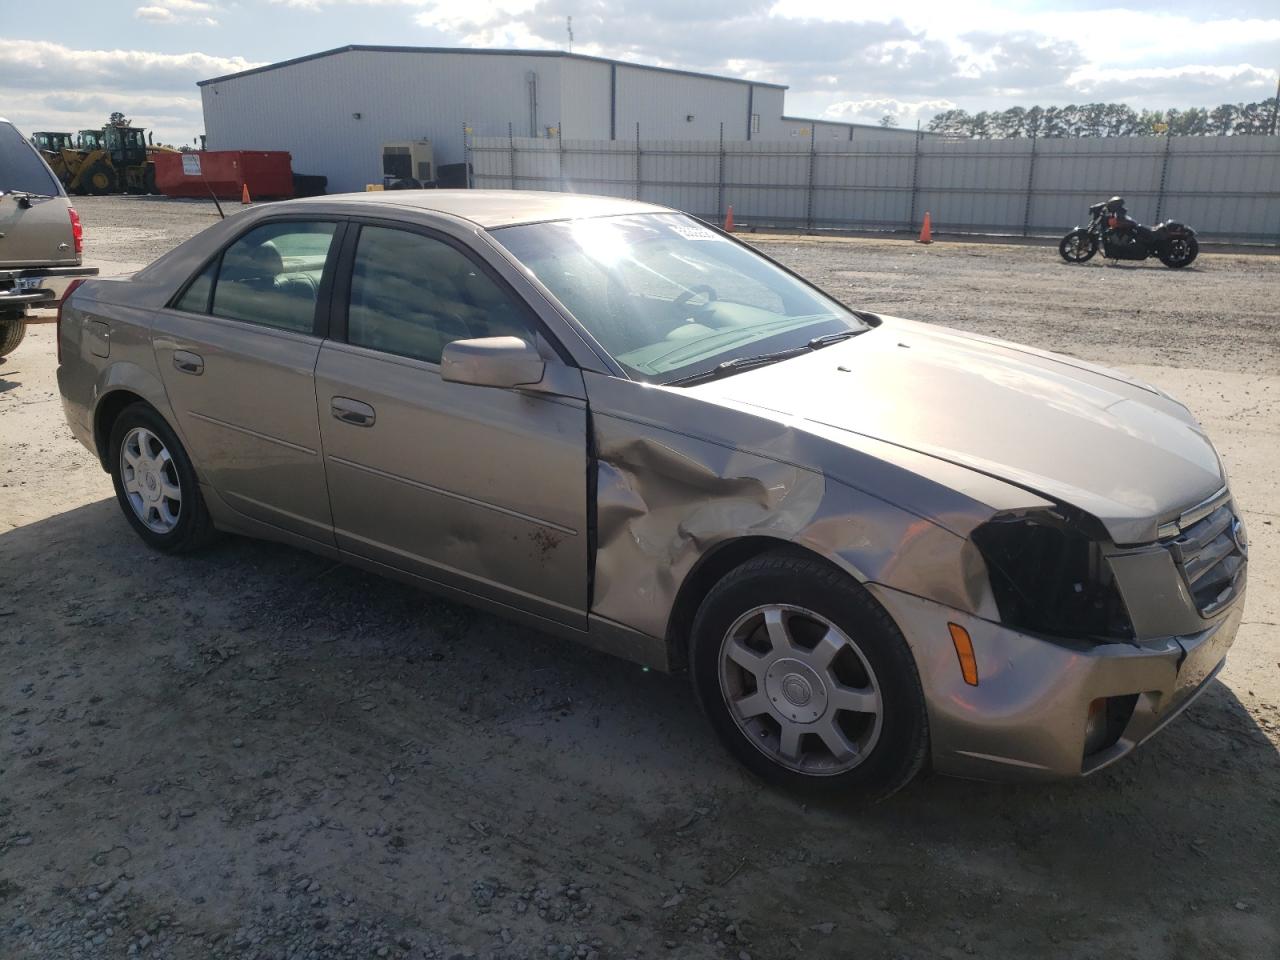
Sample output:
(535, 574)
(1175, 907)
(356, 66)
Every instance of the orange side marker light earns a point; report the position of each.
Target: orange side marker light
(964, 650)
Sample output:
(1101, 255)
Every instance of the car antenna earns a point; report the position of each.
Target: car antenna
(209, 187)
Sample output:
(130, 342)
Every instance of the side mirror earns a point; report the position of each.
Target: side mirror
(492, 362)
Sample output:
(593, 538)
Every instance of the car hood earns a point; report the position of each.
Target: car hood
(1069, 431)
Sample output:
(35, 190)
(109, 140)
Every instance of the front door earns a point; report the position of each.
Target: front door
(237, 352)
(475, 487)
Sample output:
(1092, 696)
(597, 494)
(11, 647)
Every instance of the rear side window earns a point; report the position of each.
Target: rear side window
(412, 294)
(271, 276)
(196, 297)
(22, 168)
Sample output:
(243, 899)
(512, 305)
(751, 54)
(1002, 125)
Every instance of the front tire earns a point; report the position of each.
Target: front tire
(808, 681)
(1078, 246)
(100, 180)
(1179, 252)
(155, 482)
(12, 330)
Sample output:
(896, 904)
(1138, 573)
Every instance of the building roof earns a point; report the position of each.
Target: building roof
(857, 126)
(491, 208)
(484, 52)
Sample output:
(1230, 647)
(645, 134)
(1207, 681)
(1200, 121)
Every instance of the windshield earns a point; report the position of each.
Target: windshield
(22, 169)
(669, 298)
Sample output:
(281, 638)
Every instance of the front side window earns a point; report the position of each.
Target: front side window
(271, 276)
(669, 298)
(412, 294)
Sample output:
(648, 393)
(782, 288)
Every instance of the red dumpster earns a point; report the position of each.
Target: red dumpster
(267, 173)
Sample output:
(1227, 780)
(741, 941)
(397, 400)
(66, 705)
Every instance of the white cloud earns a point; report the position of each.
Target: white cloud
(178, 11)
(49, 86)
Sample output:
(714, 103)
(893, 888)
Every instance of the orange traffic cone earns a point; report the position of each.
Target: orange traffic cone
(926, 232)
(728, 220)
(244, 195)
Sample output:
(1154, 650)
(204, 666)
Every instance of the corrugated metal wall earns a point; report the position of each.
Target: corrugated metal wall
(1228, 188)
(309, 108)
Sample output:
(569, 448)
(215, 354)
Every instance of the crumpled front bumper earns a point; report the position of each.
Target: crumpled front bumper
(1028, 715)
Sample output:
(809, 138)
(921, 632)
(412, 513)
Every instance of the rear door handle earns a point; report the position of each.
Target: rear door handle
(352, 411)
(191, 363)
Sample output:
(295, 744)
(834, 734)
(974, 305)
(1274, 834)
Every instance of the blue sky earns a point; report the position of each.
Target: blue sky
(845, 60)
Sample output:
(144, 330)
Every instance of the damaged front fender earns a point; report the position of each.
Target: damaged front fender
(666, 497)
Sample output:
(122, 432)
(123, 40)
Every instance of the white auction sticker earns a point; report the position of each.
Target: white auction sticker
(191, 164)
(693, 232)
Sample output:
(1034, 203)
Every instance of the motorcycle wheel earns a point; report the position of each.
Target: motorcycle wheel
(1179, 252)
(1078, 246)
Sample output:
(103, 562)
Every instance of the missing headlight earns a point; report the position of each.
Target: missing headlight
(1048, 575)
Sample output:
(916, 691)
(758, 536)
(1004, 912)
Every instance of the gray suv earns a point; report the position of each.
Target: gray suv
(41, 241)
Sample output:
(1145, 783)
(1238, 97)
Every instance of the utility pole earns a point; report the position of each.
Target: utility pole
(568, 25)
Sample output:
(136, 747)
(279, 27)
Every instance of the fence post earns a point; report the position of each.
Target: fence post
(1164, 175)
(560, 150)
(511, 155)
(1031, 176)
(915, 173)
(808, 204)
(720, 179)
(466, 154)
(637, 160)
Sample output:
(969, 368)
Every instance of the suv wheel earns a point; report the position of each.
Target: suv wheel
(807, 680)
(156, 483)
(12, 330)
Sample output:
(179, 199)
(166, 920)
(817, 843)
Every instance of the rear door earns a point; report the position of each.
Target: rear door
(479, 488)
(237, 350)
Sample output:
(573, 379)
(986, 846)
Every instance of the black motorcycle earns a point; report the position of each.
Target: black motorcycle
(1123, 238)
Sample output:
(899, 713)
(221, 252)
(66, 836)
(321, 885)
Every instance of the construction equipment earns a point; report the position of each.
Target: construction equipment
(54, 147)
(89, 168)
(114, 159)
(408, 165)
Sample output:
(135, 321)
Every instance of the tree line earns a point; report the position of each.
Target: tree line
(1108, 120)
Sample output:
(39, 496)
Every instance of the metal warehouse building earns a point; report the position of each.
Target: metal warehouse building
(333, 111)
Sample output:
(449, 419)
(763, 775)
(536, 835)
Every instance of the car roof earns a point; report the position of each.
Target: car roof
(492, 208)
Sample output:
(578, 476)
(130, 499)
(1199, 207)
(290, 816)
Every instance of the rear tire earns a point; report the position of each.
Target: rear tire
(1078, 246)
(12, 330)
(155, 482)
(1180, 252)
(808, 681)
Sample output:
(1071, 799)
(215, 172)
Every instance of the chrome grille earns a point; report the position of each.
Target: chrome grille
(1211, 553)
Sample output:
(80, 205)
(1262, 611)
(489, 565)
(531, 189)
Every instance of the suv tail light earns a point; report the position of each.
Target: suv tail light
(71, 287)
(77, 231)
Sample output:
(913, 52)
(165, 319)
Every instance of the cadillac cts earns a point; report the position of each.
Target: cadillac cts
(874, 544)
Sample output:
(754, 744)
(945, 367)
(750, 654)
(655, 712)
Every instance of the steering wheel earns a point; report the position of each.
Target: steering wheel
(705, 289)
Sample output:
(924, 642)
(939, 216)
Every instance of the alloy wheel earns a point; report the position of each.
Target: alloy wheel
(800, 689)
(151, 481)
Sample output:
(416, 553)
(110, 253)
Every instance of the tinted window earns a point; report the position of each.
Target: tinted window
(21, 166)
(410, 295)
(196, 299)
(271, 275)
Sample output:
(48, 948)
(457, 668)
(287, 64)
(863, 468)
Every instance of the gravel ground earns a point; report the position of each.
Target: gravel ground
(254, 753)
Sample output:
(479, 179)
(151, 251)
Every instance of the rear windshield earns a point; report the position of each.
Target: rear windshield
(21, 167)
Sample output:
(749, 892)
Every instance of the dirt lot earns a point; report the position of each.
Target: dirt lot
(256, 753)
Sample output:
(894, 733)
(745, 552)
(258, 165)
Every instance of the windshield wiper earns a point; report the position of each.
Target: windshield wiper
(736, 365)
(817, 343)
(24, 197)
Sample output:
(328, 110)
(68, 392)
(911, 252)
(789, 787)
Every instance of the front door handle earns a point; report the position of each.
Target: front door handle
(187, 362)
(352, 411)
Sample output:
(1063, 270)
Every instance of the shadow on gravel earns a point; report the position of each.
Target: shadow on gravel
(277, 716)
